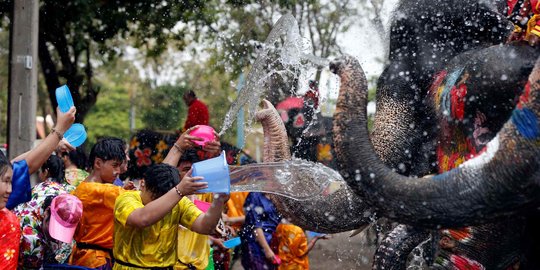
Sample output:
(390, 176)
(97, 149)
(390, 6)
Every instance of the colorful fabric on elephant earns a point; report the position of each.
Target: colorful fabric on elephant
(10, 235)
(36, 248)
(20, 181)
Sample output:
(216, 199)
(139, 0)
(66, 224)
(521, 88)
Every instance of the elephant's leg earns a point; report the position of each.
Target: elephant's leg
(395, 248)
(340, 211)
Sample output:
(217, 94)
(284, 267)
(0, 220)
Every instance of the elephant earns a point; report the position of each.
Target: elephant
(443, 104)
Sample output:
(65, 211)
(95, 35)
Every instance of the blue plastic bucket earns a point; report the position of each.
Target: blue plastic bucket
(231, 243)
(216, 172)
(75, 135)
(63, 98)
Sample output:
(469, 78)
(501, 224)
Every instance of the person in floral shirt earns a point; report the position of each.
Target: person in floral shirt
(36, 247)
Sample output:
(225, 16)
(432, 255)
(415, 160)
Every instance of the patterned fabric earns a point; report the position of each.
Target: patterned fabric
(75, 176)
(10, 234)
(20, 181)
(292, 248)
(36, 248)
(155, 245)
(193, 248)
(96, 226)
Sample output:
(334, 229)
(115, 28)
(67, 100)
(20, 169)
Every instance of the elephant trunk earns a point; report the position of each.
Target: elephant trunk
(339, 211)
(276, 143)
(499, 182)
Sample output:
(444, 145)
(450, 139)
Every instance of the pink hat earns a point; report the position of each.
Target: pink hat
(66, 212)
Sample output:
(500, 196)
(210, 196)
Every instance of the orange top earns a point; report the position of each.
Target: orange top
(292, 249)
(235, 206)
(97, 223)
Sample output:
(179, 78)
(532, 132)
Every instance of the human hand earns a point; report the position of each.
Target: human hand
(190, 185)
(64, 147)
(217, 242)
(65, 120)
(324, 237)
(269, 254)
(213, 147)
(129, 185)
(185, 141)
(221, 197)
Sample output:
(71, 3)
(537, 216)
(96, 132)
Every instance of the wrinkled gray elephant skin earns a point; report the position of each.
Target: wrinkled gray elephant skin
(340, 211)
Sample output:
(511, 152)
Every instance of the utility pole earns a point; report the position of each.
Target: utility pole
(22, 97)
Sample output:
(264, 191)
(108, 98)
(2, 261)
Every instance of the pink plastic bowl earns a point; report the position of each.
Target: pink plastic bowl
(205, 132)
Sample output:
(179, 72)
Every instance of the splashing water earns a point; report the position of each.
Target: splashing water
(297, 179)
(281, 59)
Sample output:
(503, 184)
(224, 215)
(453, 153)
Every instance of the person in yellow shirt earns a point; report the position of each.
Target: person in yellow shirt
(193, 249)
(293, 247)
(146, 222)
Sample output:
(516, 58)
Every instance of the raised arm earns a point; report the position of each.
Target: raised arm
(37, 156)
(155, 210)
(185, 142)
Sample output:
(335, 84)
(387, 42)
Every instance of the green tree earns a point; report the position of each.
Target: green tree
(163, 107)
(77, 35)
(115, 80)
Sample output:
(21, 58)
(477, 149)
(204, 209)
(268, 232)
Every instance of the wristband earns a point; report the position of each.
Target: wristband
(177, 146)
(178, 191)
(57, 133)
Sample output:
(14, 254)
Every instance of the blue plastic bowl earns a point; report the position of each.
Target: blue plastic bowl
(216, 172)
(75, 135)
(314, 234)
(233, 242)
(63, 98)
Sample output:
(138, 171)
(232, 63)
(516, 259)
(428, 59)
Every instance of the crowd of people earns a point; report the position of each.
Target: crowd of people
(81, 215)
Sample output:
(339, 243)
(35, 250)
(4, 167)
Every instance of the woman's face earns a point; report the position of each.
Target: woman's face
(5, 187)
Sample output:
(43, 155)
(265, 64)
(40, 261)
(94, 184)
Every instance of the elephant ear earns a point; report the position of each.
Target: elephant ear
(340, 211)
(500, 182)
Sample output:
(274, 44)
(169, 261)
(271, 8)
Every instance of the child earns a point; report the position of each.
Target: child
(293, 247)
(146, 222)
(94, 235)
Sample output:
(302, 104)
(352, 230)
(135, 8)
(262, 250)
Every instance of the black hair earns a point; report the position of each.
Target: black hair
(190, 155)
(160, 178)
(55, 169)
(78, 158)
(190, 93)
(4, 163)
(108, 149)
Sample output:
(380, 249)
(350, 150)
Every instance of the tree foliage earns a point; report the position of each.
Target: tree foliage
(77, 35)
